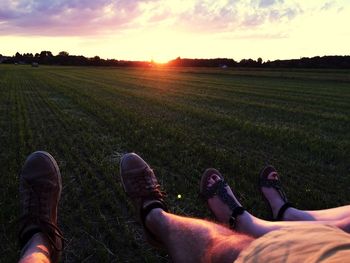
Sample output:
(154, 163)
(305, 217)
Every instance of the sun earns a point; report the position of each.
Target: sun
(161, 60)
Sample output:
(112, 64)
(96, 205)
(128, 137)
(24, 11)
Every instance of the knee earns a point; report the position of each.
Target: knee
(344, 224)
(227, 249)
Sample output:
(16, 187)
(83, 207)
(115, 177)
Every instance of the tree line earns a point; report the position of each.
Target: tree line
(331, 62)
(64, 58)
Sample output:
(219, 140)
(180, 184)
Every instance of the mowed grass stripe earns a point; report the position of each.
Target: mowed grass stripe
(261, 104)
(94, 191)
(272, 86)
(14, 152)
(8, 163)
(263, 127)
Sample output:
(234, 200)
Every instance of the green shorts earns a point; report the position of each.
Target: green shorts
(305, 243)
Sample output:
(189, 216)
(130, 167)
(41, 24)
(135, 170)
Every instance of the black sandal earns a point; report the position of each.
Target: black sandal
(218, 188)
(276, 184)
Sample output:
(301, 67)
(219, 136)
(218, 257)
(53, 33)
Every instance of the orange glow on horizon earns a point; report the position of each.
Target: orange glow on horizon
(160, 61)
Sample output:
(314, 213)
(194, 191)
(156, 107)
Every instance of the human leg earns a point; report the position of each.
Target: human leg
(186, 239)
(247, 223)
(36, 250)
(40, 189)
(256, 227)
(276, 198)
(195, 240)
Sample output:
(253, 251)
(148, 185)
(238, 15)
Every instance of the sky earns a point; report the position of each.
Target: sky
(161, 30)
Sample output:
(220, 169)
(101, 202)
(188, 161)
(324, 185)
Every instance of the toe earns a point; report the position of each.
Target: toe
(216, 178)
(211, 181)
(273, 176)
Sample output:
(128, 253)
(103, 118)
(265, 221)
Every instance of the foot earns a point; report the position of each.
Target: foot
(40, 190)
(142, 186)
(222, 202)
(271, 189)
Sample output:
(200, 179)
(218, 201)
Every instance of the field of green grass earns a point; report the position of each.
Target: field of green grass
(181, 121)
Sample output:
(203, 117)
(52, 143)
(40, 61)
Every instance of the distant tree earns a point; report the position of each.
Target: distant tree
(63, 54)
(45, 54)
(28, 55)
(248, 63)
(18, 55)
(26, 58)
(45, 57)
(260, 61)
(96, 61)
(37, 55)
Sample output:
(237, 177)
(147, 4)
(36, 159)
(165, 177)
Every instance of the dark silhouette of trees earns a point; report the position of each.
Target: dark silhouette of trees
(216, 62)
(63, 54)
(332, 62)
(63, 58)
(23, 59)
(45, 54)
(96, 61)
(249, 63)
(260, 61)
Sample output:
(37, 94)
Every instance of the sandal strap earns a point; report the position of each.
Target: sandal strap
(209, 192)
(276, 184)
(218, 188)
(282, 211)
(233, 219)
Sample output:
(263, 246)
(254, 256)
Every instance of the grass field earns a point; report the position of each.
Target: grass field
(181, 121)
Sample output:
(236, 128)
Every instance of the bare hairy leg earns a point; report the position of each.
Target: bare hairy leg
(195, 240)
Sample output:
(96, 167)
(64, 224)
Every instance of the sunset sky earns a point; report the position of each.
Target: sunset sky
(165, 29)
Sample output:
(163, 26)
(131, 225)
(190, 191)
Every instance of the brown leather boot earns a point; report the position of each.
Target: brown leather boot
(142, 186)
(40, 190)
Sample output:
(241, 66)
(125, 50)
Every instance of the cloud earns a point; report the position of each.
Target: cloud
(267, 3)
(328, 5)
(233, 15)
(67, 17)
(83, 18)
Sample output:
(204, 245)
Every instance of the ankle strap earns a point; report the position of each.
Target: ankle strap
(282, 211)
(233, 219)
